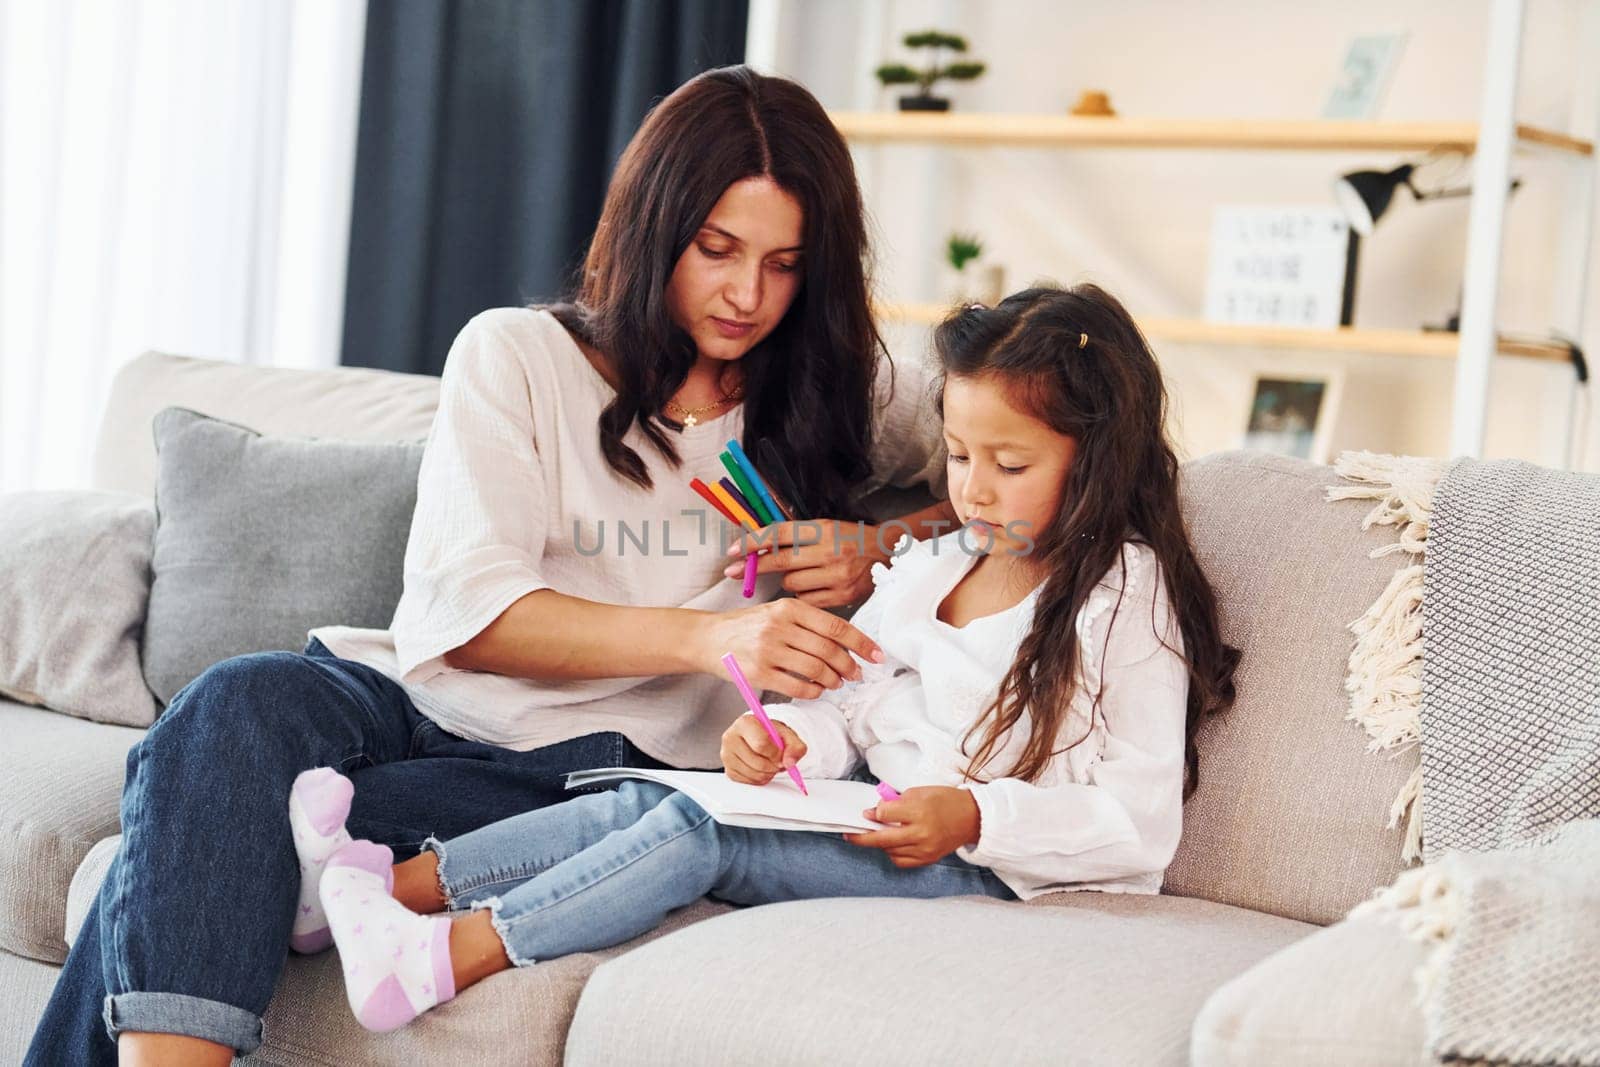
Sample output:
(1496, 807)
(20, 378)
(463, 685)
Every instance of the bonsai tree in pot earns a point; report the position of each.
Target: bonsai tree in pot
(925, 77)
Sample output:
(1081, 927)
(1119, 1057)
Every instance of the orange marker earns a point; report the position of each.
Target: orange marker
(732, 506)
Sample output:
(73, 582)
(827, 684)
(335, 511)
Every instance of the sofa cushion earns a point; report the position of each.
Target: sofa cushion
(1292, 810)
(25, 987)
(60, 792)
(1095, 979)
(518, 1017)
(352, 404)
(259, 539)
(1346, 994)
(86, 883)
(74, 581)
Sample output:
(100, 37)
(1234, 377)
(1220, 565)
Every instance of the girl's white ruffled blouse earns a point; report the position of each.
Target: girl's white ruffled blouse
(1107, 812)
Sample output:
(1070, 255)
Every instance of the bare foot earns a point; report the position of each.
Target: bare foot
(416, 884)
(476, 950)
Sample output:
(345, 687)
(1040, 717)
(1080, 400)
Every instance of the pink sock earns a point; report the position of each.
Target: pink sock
(319, 803)
(396, 962)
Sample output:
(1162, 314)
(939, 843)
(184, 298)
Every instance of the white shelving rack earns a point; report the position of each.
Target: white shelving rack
(1491, 141)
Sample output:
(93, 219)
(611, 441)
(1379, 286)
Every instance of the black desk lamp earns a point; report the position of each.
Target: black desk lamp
(1363, 196)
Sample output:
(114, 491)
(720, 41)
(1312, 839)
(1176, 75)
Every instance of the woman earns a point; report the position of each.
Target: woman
(723, 296)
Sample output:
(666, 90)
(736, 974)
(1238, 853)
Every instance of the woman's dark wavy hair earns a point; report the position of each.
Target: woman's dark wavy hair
(808, 385)
(1106, 394)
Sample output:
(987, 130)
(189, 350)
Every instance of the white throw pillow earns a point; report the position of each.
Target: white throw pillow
(74, 582)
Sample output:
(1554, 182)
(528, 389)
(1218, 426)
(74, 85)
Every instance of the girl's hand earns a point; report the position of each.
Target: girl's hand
(786, 645)
(829, 571)
(934, 821)
(749, 756)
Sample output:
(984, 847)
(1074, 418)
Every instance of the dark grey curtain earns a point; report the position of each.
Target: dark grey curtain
(488, 131)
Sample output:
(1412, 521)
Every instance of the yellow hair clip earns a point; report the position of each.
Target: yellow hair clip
(1083, 340)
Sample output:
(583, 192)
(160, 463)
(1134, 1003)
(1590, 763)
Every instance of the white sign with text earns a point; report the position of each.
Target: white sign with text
(1280, 266)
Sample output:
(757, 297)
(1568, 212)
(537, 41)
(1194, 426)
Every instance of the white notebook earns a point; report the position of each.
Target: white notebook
(833, 807)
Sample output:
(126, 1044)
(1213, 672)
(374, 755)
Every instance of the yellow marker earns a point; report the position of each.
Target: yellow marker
(733, 505)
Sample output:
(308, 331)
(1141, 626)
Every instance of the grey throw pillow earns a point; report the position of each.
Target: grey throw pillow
(259, 539)
(74, 576)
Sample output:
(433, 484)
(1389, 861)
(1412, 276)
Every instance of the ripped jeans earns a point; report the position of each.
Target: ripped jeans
(604, 868)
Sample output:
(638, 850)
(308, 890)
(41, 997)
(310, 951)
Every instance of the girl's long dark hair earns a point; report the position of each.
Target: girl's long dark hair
(809, 384)
(1075, 360)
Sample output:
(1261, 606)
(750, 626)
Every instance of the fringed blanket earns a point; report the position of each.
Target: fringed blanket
(1385, 676)
(1490, 659)
(1514, 977)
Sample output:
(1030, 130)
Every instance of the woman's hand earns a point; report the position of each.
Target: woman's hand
(785, 645)
(749, 756)
(828, 570)
(934, 821)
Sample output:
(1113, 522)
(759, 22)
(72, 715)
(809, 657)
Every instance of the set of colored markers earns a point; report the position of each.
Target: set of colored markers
(744, 499)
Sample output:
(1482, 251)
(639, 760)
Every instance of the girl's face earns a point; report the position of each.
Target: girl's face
(1006, 467)
(736, 280)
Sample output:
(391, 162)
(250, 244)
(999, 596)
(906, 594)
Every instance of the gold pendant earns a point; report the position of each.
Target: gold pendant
(690, 420)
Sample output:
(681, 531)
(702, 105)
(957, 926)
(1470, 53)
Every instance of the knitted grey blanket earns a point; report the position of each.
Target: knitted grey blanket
(1510, 728)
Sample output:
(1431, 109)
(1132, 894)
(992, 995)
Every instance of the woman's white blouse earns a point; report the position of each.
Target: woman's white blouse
(514, 495)
(1107, 812)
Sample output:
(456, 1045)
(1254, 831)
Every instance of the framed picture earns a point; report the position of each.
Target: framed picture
(1369, 63)
(1293, 412)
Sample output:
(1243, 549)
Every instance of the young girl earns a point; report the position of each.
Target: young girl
(1046, 667)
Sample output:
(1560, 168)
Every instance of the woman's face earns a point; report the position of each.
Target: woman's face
(733, 284)
(1006, 468)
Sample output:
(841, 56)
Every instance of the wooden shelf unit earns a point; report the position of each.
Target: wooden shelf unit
(1320, 135)
(1433, 345)
(1073, 131)
(1492, 139)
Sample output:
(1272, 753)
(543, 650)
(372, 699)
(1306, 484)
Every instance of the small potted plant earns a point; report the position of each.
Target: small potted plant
(984, 283)
(925, 78)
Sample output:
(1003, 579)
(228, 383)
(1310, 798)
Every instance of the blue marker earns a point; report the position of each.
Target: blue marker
(755, 479)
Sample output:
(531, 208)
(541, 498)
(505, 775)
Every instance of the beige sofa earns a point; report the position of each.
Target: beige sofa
(1235, 963)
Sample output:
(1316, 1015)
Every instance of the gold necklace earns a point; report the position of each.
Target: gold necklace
(691, 416)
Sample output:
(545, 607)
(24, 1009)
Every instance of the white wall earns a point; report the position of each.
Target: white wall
(1138, 221)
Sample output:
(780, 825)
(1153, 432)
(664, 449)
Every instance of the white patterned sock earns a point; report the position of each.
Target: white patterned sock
(319, 803)
(396, 962)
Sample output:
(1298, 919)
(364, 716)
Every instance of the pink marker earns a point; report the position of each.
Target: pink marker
(887, 791)
(761, 714)
(750, 562)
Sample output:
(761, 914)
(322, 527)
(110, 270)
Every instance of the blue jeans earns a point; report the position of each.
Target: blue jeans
(606, 868)
(190, 928)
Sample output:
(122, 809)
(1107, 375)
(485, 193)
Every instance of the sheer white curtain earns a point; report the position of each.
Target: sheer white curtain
(174, 174)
